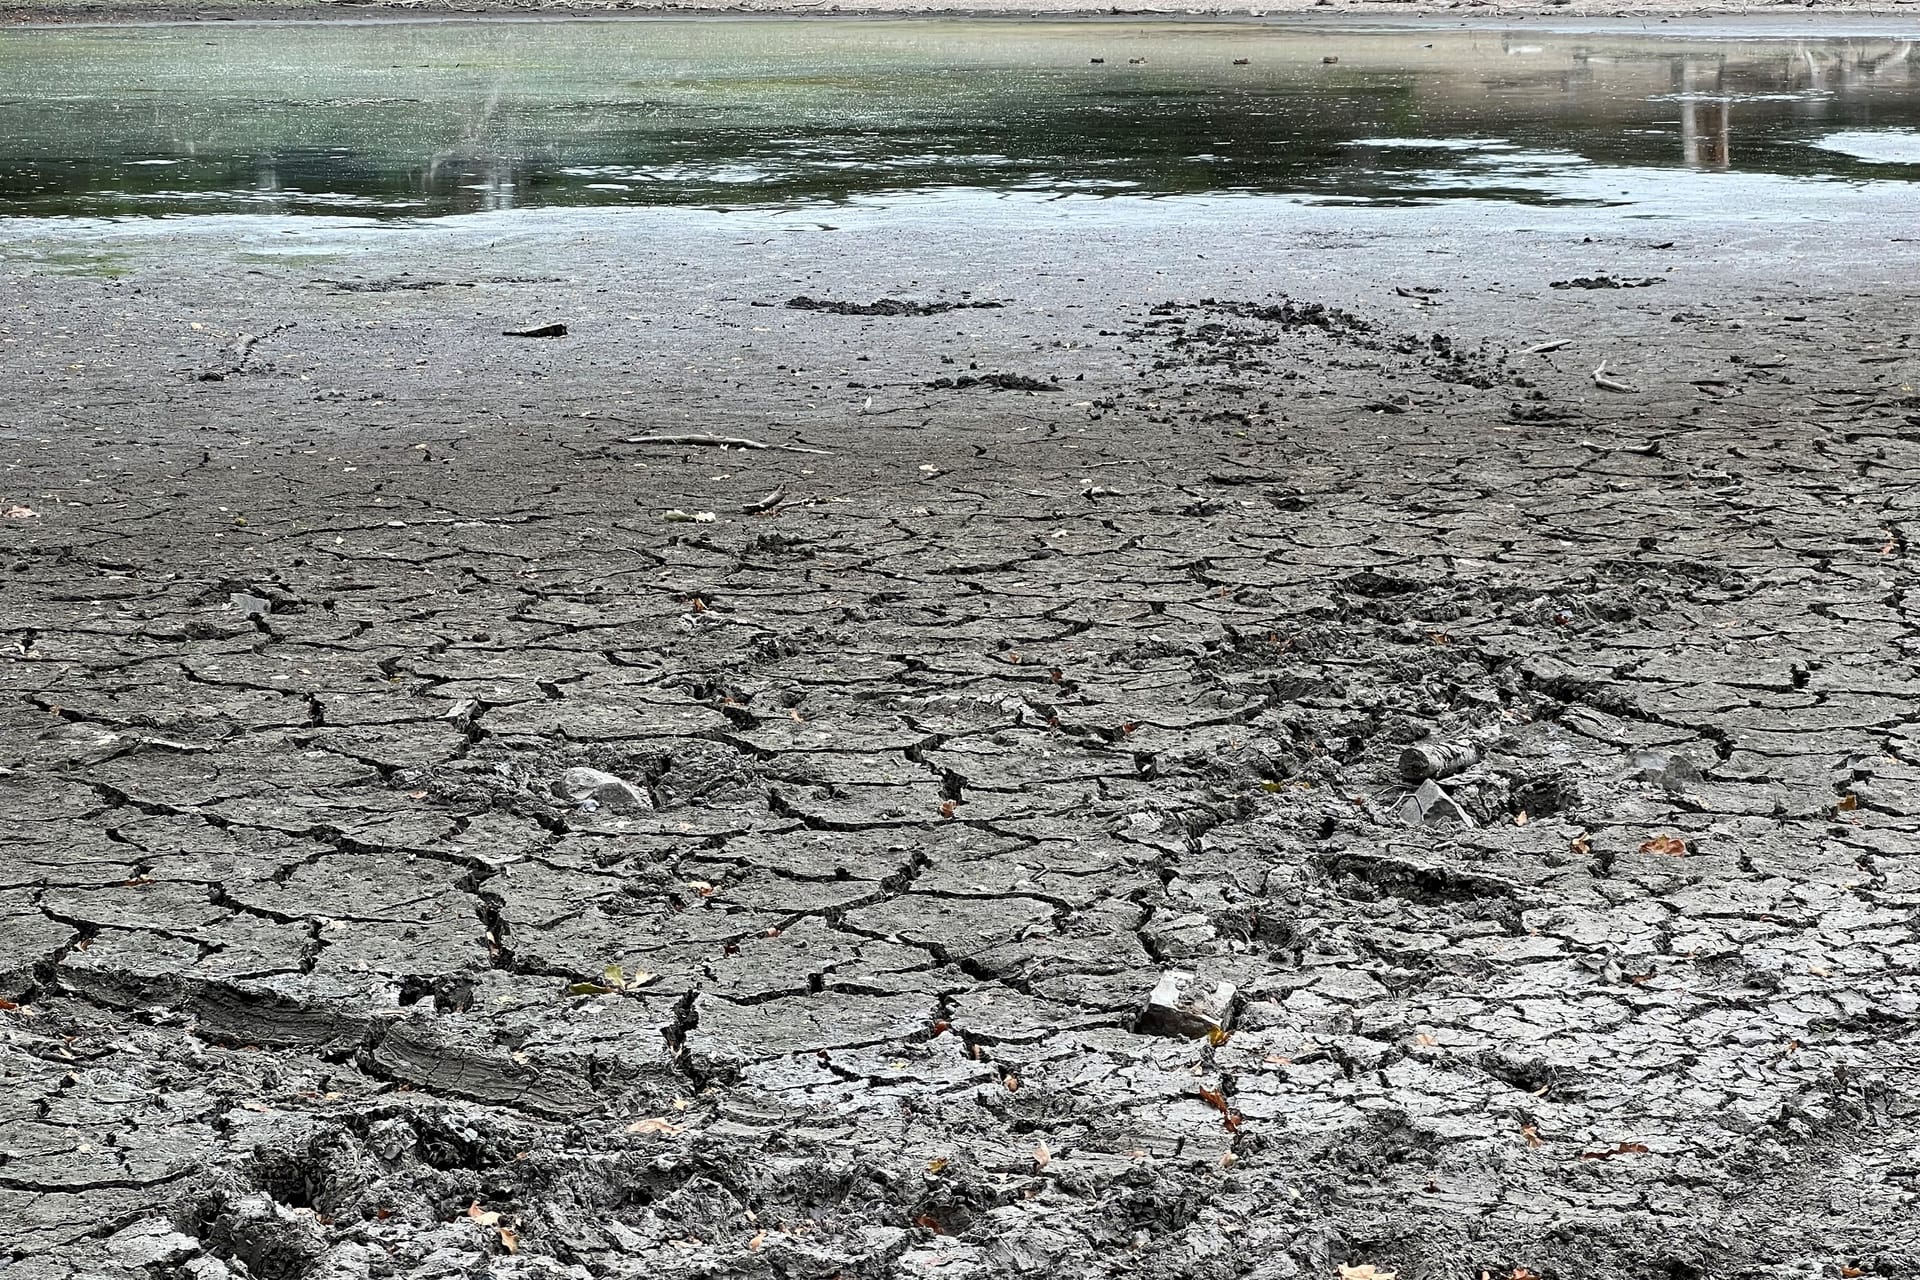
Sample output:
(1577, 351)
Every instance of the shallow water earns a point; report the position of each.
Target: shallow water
(427, 119)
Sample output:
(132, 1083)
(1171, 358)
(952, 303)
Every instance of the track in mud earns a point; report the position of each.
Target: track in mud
(1017, 699)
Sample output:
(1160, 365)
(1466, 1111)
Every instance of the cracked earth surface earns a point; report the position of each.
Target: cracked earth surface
(1013, 700)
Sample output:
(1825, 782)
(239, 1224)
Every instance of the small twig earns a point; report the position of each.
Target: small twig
(1602, 381)
(1541, 348)
(718, 442)
(767, 503)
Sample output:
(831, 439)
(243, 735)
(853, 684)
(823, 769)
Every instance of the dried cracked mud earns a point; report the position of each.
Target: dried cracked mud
(996, 708)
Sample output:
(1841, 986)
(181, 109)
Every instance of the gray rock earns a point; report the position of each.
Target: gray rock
(616, 794)
(1672, 772)
(1430, 806)
(1184, 1004)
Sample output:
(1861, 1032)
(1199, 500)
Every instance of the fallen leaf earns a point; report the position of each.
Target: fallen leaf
(1624, 1149)
(946, 809)
(1531, 1134)
(1672, 846)
(1364, 1271)
(931, 1223)
(759, 1238)
(1013, 1084)
(1042, 1156)
(938, 1165)
(1217, 1036)
(656, 1124)
(509, 1241)
(1848, 803)
(1580, 846)
(22, 513)
(1425, 1040)
(485, 1217)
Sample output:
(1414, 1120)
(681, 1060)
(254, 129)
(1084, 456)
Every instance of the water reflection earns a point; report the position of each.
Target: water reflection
(447, 118)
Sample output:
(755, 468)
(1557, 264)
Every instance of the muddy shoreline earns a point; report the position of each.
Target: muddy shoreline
(1055, 644)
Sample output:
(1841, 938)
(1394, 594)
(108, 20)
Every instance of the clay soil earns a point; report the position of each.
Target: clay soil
(1059, 642)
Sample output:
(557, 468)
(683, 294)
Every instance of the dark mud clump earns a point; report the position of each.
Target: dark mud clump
(886, 307)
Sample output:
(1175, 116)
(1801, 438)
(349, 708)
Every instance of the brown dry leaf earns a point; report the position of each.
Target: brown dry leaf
(930, 1222)
(1218, 1036)
(7, 1004)
(1425, 1040)
(1848, 803)
(759, 1238)
(946, 808)
(657, 1124)
(1523, 1273)
(1042, 1156)
(937, 1165)
(1672, 846)
(1364, 1271)
(1851, 1271)
(1624, 1149)
(1218, 1101)
(509, 1241)
(485, 1217)
(1580, 845)
(1531, 1134)
(1520, 818)
(1013, 1084)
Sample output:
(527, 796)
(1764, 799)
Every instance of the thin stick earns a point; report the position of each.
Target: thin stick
(1602, 381)
(719, 442)
(767, 503)
(1541, 348)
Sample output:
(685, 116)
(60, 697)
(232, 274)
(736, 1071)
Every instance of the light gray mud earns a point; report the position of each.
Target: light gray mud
(1013, 700)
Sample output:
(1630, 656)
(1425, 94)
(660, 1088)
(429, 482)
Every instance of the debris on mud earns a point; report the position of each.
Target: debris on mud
(1430, 759)
(1608, 282)
(886, 306)
(582, 786)
(996, 381)
(554, 330)
(1186, 1005)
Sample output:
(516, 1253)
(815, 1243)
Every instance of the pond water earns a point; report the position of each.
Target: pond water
(410, 120)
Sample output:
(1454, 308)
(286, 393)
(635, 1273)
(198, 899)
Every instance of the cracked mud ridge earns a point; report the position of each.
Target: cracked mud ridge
(448, 838)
